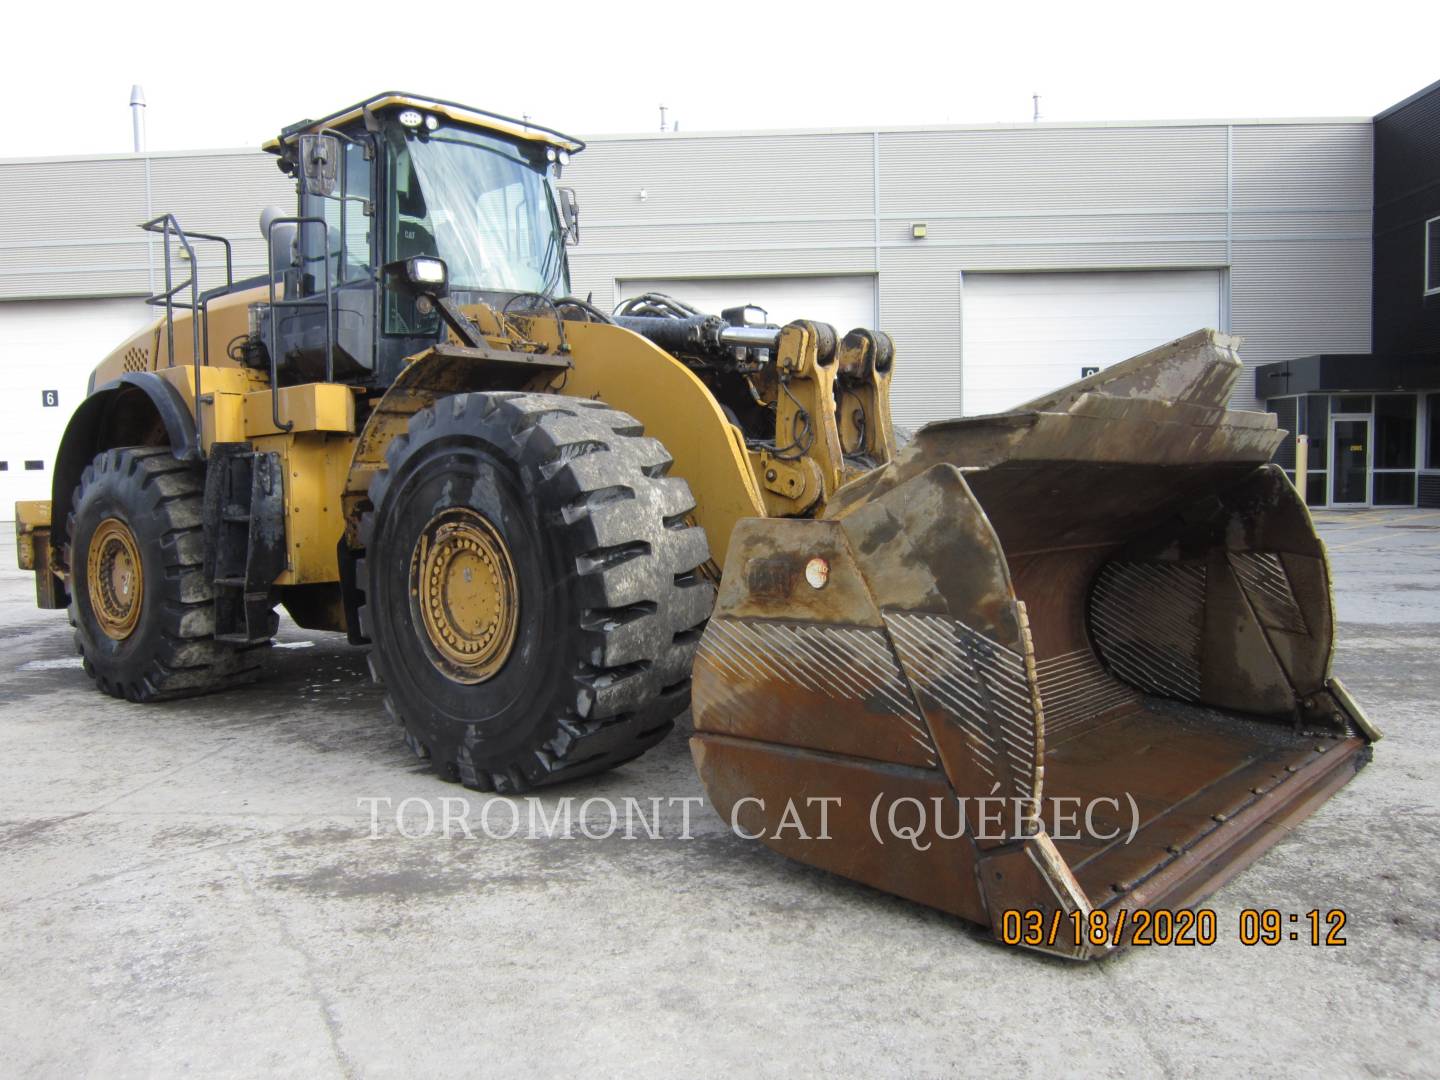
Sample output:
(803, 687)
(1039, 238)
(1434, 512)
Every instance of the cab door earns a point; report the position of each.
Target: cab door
(342, 256)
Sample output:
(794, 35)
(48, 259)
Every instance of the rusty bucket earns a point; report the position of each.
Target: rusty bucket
(1066, 659)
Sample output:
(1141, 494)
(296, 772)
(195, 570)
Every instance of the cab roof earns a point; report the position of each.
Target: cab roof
(460, 114)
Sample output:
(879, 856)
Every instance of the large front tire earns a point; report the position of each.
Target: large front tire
(533, 591)
(141, 604)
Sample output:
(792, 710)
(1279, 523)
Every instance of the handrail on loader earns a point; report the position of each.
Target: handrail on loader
(328, 300)
(167, 225)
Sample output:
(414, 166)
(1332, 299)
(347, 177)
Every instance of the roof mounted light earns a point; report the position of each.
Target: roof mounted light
(564, 157)
(431, 123)
(550, 153)
(411, 118)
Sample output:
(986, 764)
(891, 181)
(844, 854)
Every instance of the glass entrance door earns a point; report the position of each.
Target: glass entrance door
(1350, 468)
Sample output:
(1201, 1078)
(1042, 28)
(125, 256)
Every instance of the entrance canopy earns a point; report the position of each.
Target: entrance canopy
(1360, 371)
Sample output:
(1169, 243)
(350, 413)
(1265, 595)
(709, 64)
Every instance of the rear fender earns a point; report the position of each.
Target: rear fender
(137, 409)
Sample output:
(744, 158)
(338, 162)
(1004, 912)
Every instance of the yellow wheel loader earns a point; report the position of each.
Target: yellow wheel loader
(1039, 669)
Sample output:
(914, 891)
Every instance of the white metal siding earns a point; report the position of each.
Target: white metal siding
(722, 206)
(815, 176)
(1027, 334)
(1068, 170)
(50, 345)
(1300, 266)
(920, 307)
(68, 227)
(1284, 207)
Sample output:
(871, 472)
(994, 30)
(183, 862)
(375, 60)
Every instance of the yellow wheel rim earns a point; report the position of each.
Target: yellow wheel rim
(463, 584)
(116, 579)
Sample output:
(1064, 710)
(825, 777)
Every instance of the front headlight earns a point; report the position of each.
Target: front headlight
(423, 270)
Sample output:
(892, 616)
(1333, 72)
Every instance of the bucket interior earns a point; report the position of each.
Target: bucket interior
(1189, 771)
(1173, 614)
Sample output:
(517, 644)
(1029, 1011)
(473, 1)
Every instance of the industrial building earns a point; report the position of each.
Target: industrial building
(1372, 419)
(1004, 260)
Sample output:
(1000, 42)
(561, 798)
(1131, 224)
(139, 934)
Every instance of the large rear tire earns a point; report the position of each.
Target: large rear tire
(141, 604)
(532, 588)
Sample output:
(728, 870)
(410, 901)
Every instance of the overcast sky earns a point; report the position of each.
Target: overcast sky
(232, 75)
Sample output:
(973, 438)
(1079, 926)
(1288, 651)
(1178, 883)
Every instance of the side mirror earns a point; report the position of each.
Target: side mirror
(570, 214)
(320, 163)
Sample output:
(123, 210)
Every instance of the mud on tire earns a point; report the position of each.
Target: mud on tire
(606, 562)
(171, 651)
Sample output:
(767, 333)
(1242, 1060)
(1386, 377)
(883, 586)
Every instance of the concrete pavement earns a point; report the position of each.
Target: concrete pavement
(193, 887)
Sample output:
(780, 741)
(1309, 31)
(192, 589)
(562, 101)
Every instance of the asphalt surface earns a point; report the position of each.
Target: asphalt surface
(194, 888)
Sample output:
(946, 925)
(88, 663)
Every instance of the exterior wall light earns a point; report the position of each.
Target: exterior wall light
(917, 230)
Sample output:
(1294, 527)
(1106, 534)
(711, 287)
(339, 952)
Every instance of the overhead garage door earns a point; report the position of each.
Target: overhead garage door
(843, 301)
(47, 350)
(1027, 334)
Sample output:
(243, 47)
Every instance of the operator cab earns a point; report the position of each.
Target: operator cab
(391, 183)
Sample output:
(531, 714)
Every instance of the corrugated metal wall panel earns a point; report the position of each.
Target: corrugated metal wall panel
(759, 176)
(1300, 266)
(599, 289)
(67, 201)
(1294, 166)
(1122, 254)
(920, 307)
(1042, 199)
(1058, 229)
(72, 269)
(1048, 168)
(223, 194)
(69, 227)
(1292, 299)
(640, 240)
(1004, 199)
(722, 207)
(1302, 224)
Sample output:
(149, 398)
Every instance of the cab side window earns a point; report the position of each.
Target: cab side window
(350, 229)
(414, 234)
(411, 233)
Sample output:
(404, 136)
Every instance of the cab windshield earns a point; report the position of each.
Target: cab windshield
(477, 203)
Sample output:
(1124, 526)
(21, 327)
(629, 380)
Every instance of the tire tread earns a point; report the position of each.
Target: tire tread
(629, 530)
(185, 659)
